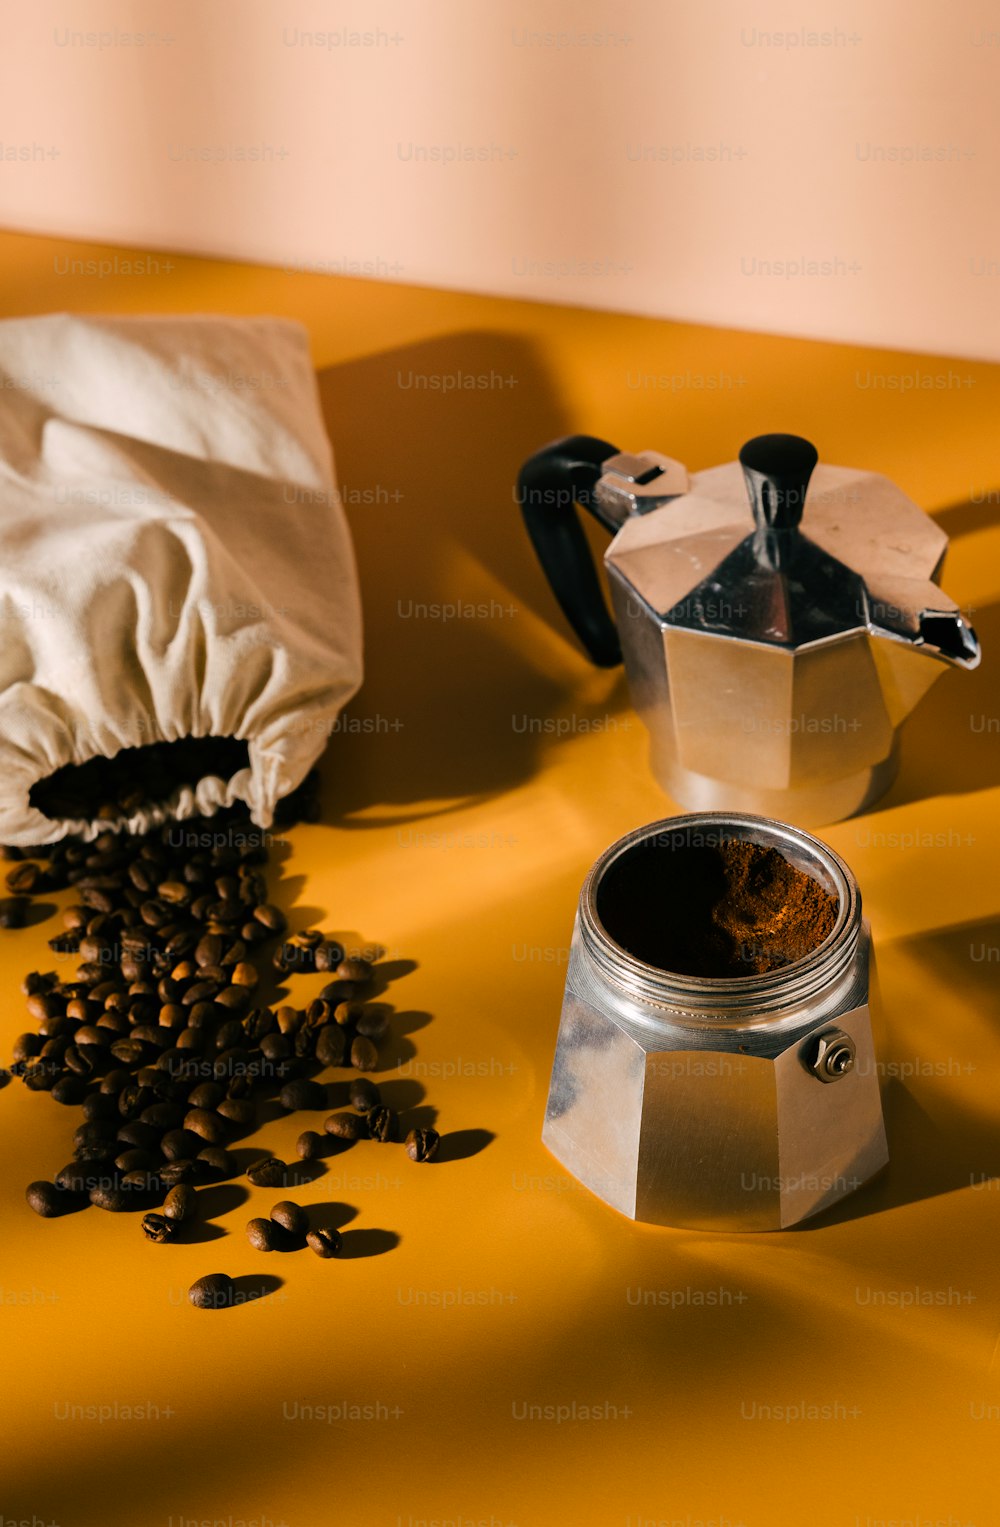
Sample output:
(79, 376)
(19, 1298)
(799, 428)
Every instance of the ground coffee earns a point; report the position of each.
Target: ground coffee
(727, 909)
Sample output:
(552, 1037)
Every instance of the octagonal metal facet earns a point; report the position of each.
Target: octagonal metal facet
(707, 1135)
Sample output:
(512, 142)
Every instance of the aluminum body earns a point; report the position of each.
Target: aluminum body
(776, 692)
(689, 1101)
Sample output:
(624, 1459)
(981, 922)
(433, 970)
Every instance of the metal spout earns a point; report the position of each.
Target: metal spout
(922, 615)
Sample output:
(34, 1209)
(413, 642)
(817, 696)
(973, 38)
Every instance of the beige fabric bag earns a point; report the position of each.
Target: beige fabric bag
(174, 560)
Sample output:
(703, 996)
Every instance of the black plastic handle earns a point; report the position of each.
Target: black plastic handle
(549, 486)
(777, 469)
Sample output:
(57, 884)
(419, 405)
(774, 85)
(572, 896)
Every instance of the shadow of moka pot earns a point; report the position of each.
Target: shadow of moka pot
(778, 619)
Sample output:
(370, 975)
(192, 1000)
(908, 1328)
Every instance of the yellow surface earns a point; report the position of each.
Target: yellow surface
(459, 823)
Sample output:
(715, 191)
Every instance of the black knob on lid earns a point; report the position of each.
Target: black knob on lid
(777, 469)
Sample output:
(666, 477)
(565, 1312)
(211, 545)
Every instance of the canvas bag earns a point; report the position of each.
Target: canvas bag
(174, 560)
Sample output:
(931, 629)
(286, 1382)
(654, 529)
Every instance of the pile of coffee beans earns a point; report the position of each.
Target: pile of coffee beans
(288, 1230)
(158, 1033)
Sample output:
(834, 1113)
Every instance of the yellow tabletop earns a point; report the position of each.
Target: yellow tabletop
(502, 1348)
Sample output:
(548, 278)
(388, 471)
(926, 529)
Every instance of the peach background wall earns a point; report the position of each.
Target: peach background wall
(827, 169)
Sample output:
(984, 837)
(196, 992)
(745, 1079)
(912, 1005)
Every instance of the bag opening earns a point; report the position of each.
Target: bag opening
(113, 790)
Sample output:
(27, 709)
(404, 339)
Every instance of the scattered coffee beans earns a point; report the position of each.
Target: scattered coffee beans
(155, 1034)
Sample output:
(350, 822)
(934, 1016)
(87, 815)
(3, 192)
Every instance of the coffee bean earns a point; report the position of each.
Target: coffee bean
(328, 955)
(347, 1126)
(64, 943)
(309, 1146)
(45, 1006)
(257, 1023)
(347, 1014)
(27, 879)
(203, 1015)
(206, 1095)
(26, 1046)
(239, 1111)
(76, 1176)
(364, 1056)
(336, 992)
(291, 1217)
(134, 1099)
(200, 991)
(208, 1125)
(289, 1019)
(179, 1203)
(178, 1144)
(214, 1291)
(188, 1170)
(373, 1024)
(131, 1052)
(158, 1227)
(217, 1161)
(113, 1197)
(134, 1160)
(145, 1137)
(234, 1062)
(383, 1124)
(364, 1095)
(163, 1115)
(245, 974)
(355, 970)
(422, 1144)
(302, 1094)
(325, 1243)
(269, 1172)
(98, 1105)
(95, 1132)
(294, 959)
(39, 1075)
(263, 1234)
(14, 911)
(113, 1081)
(208, 950)
(270, 917)
(332, 1046)
(46, 1199)
(318, 1014)
(275, 1047)
(229, 1036)
(142, 1181)
(69, 1089)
